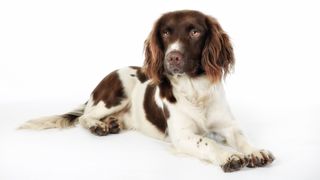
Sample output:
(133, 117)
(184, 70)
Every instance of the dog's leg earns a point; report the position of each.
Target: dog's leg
(221, 121)
(101, 120)
(183, 135)
(109, 102)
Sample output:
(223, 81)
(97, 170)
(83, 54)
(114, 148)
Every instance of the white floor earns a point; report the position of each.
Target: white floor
(291, 133)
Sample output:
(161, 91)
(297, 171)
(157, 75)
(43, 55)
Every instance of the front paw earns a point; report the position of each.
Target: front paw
(260, 158)
(234, 163)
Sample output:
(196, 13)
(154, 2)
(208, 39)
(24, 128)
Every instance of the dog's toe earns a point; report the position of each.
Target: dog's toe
(234, 163)
(113, 125)
(260, 158)
(98, 130)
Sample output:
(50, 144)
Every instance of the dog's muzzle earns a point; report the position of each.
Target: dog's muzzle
(174, 62)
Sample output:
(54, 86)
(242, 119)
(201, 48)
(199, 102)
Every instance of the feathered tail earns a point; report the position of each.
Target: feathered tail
(58, 121)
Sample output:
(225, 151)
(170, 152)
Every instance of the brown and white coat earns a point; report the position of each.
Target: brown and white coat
(176, 96)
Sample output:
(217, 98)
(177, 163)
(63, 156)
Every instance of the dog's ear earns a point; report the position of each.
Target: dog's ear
(217, 55)
(153, 63)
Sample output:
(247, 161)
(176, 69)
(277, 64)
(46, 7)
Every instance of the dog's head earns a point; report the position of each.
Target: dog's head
(187, 43)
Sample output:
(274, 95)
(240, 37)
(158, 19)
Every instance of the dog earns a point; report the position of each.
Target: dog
(177, 95)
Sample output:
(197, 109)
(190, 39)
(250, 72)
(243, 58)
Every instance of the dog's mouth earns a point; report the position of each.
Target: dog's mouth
(177, 71)
(192, 70)
(174, 70)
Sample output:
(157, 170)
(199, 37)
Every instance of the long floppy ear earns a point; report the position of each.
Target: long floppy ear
(217, 55)
(153, 63)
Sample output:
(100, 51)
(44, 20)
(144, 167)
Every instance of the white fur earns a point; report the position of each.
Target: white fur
(175, 46)
(201, 108)
(45, 123)
(49, 122)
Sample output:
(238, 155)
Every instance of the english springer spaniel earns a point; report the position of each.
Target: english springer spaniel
(177, 95)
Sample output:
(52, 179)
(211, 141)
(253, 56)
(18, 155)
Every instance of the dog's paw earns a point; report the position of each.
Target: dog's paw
(113, 125)
(235, 162)
(260, 158)
(109, 125)
(99, 129)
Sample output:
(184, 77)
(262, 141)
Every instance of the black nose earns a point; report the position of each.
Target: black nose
(175, 58)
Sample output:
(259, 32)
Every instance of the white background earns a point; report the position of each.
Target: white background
(53, 53)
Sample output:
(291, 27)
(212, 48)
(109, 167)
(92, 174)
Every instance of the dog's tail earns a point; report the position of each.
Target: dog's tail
(66, 120)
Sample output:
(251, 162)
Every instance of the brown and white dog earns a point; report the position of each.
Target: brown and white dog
(177, 95)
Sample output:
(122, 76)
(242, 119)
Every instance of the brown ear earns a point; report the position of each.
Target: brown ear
(153, 63)
(217, 55)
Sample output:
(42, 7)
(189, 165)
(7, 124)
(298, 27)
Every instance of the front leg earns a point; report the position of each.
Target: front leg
(221, 121)
(182, 132)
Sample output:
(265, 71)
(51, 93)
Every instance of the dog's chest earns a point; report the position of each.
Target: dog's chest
(194, 98)
(195, 92)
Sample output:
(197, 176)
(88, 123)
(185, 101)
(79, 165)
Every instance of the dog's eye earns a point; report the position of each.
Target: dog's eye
(165, 34)
(194, 33)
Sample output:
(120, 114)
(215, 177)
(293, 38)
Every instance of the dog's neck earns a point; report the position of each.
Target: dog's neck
(196, 90)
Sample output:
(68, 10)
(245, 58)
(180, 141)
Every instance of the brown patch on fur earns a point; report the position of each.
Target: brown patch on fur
(70, 117)
(109, 90)
(140, 74)
(154, 114)
(217, 55)
(166, 90)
